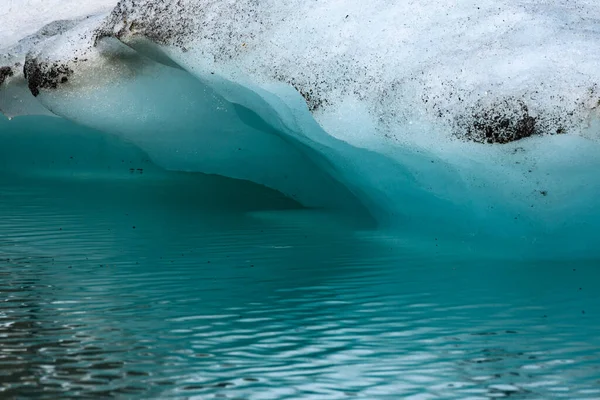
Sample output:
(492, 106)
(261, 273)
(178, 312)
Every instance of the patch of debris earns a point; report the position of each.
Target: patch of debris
(163, 22)
(226, 28)
(312, 86)
(5, 72)
(489, 117)
(43, 75)
(313, 101)
(501, 122)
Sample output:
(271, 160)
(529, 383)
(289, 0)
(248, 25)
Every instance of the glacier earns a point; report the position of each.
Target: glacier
(472, 119)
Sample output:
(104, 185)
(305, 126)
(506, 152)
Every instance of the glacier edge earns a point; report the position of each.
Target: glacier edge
(341, 126)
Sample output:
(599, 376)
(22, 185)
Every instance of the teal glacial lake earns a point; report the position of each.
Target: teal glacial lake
(121, 280)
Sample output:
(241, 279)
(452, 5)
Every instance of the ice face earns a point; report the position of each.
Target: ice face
(464, 118)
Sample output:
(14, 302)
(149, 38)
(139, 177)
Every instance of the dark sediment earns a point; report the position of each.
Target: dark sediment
(502, 122)
(5, 72)
(43, 75)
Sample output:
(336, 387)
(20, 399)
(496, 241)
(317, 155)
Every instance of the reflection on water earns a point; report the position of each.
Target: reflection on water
(149, 288)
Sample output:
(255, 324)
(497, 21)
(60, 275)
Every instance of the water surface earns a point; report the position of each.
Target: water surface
(130, 282)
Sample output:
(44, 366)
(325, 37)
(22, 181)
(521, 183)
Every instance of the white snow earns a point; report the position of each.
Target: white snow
(20, 18)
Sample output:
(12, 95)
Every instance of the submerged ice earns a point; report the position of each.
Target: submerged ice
(471, 118)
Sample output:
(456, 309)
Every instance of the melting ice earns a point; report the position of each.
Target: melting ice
(470, 119)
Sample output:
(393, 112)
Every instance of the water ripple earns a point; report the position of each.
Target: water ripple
(235, 306)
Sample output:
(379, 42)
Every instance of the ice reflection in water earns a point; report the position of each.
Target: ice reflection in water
(145, 287)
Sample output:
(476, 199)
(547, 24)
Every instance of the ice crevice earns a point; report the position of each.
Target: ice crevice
(469, 118)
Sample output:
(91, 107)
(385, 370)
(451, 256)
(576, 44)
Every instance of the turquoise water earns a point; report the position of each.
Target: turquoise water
(120, 280)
